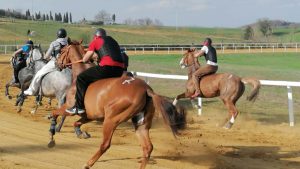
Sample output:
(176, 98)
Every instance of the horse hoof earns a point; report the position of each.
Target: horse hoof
(32, 111)
(51, 144)
(86, 166)
(9, 97)
(86, 135)
(19, 110)
(228, 125)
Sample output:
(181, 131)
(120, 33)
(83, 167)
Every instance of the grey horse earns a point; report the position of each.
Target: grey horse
(34, 55)
(53, 85)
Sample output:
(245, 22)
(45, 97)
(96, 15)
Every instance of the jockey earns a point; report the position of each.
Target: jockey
(210, 54)
(21, 54)
(110, 64)
(52, 53)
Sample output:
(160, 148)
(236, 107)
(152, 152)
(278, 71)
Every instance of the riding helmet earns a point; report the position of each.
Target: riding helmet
(100, 32)
(29, 42)
(61, 33)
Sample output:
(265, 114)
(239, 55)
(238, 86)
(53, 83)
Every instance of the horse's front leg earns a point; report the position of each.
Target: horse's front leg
(6, 90)
(182, 95)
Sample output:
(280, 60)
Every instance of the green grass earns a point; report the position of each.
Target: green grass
(15, 33)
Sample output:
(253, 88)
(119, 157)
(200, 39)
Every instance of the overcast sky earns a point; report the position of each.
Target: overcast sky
(203, 13)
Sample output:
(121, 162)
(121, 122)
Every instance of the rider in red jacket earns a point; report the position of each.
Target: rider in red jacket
(110, 64)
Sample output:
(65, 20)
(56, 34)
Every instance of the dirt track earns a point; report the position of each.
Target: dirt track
(250, 144)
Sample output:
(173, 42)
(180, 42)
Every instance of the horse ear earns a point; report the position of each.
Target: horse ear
(39, 45)
(80, 42)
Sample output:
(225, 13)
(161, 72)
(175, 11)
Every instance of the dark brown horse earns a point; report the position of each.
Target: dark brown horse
(116, 100)
(228, 87)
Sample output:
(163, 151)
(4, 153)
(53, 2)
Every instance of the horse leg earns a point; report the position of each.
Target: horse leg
(180, 96)
(7, 89)
(108, 129)
(61, 101)
(38, 102)
(20, 101)
(77, 126)
(233, 112)
(142, 133)
(51, 143)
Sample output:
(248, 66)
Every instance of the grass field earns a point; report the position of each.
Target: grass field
(271, 105)
(15, 33)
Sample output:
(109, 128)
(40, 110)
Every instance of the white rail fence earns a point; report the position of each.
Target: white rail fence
(287, 84)
(180, 48)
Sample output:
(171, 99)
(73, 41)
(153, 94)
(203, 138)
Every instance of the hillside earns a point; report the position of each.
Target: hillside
(45, 32)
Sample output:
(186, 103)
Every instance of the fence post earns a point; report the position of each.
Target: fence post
(223, 49)
(296, 47)
(249, 48)
(261, 49)
(153, 50)
(273, 49)
(5, 48)
(199, 106)
(290, 105)
(143, 50)
(181, 50)
(168, 50)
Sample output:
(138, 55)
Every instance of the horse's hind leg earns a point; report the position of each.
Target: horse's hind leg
(77, 126)
(142, 133)
(233, 112)
(109, 127)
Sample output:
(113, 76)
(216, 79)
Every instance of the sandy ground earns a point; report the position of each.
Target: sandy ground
(204, 144)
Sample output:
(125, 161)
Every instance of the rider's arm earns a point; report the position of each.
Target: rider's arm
(201, 52)
(198, 53)
(18, 51)
(49, 52)
(87, 56)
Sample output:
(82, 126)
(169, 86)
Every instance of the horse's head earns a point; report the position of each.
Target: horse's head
(188, 59)
(71, 53)
(35, 54)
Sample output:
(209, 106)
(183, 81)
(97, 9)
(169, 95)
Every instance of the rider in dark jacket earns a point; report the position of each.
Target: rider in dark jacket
(110, 64)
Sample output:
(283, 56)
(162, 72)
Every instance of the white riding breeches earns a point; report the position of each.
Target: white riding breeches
(36, 81)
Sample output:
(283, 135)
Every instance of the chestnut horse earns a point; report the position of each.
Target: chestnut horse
(228, 87)
(116, 100)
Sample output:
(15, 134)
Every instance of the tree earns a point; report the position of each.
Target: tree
(70, 17)
(103, 16)
(265, 27)
(47, 17)
(113, 18)
(67, 17)
(248, 33)
(51, 17)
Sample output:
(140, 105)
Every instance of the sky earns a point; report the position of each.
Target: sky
(199, 13)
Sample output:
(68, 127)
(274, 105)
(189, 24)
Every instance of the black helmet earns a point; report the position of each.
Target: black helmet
(61, 33)
(100, 32)
(29, 42)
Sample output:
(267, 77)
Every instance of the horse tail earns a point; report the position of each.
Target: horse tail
(176, 120)
(255, 83)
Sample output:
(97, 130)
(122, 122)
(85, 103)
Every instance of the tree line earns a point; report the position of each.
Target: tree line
(58, 17)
